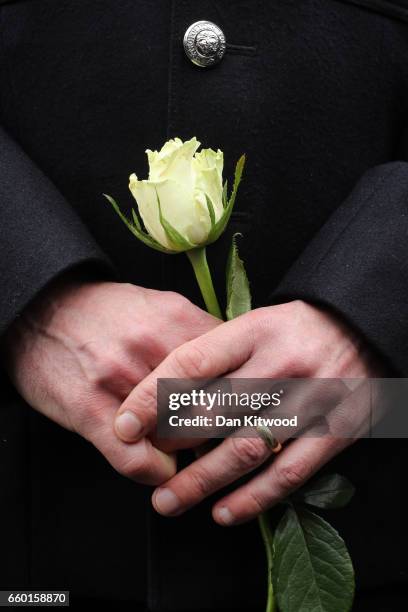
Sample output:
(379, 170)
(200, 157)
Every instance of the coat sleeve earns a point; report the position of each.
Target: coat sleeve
(357, 264)
(40, 234)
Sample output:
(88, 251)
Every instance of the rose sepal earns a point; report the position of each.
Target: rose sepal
(219, 227)
(136, 227)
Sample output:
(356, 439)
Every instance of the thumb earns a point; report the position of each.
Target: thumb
(221, 350)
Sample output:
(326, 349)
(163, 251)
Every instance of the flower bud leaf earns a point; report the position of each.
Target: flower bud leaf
(220, 226)
(210, 210)
(136, 220)
(136, 229)
(225, 195)
(238, 291)
(175, 238)
(239, 169)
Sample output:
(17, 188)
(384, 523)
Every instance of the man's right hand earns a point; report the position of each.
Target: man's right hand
(80, 348)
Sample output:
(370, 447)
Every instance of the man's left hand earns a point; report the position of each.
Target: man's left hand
(294, 339)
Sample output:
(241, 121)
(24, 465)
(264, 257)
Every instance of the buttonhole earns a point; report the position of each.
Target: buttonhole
(241, 49)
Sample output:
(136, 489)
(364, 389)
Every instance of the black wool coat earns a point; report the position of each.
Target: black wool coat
(315, 92)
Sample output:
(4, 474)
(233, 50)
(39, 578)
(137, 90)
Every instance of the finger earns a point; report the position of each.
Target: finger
(141, 462)
(242, 452)
(301, 459)
(205, 447)
(219, 351)
(290, 470)
(170, 445)
(233, 458)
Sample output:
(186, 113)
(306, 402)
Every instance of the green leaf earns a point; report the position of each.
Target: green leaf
(221, 224)
(312, 570)
(116, 208)
(239, 169)
(136, 220)
(225, 195)
(210, 210)
(180, 243)
(136, 229)
(238, 292)
(331, 491)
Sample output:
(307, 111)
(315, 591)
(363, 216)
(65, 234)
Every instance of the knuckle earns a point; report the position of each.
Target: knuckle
(128, 470)
(130, 287)
(299, 307)
(310, 360)
(199, 482)
(191, 361)
(291, 360)
(134, 469)
(296, 358)
(108, 370)
(342, 424)
(295, 310)
(177, 303)
(145, 398)
(258, 318)
(259, 325)
(114, 376)
(248, 452)
(142, 337)
(144, 342)
(257, 503)
(300, 362)
(290, 476)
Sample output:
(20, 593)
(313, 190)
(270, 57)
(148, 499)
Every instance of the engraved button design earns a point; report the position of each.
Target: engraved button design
(204, 43)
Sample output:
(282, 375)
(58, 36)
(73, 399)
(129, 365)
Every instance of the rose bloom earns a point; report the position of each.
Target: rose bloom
(181, 179)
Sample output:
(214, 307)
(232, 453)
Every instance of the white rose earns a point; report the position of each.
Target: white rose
(188, 186)
(183, 203)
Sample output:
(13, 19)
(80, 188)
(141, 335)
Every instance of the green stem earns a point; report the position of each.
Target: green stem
(268, 541)
(198, 260)
(202, 272)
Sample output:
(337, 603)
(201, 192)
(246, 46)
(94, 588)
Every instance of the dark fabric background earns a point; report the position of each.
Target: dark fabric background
(394, 8)
(315, 93)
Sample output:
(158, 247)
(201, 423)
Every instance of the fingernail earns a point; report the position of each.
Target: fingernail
(128, 426)
(224, 516)
(166, 502)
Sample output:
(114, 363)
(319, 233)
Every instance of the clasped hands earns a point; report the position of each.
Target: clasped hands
(88, 356)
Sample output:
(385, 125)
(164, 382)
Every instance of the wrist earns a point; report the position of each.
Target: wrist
(39, 312)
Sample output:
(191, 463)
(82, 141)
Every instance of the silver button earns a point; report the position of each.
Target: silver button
(204, 43)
